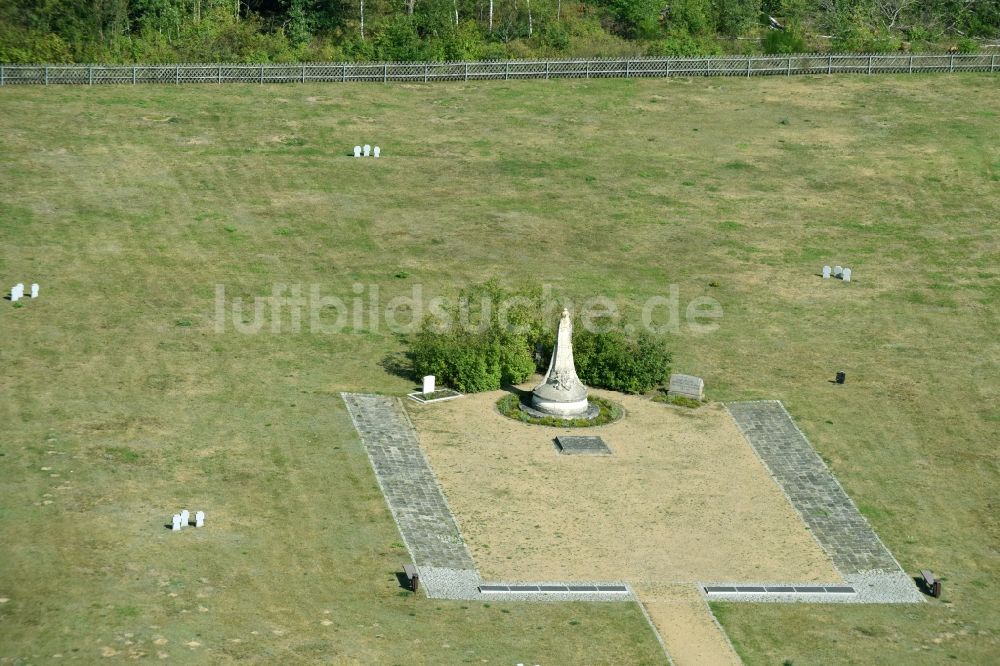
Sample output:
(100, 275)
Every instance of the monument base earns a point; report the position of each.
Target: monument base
(590, 411)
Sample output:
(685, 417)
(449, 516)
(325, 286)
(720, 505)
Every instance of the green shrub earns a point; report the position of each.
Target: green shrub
(478, 360)
(614, 361)
(680, 43)
(784, 41)
(480, 351)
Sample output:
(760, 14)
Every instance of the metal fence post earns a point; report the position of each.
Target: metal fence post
(90, 75)
(46, 76)
(626, 68)
(177, 75)
(788, 67)
(911, 63)
(993, 64)
(2, 79)
(546, 69)
(133, 74)
(219, 77)
(343, 73)
(870, 64)
(506, 70)
(829, 65)
(302, 75)
(426, 71)
(466, 71)
(749, 58)
(951, 63)
(385, 72)
(262, 73)
(588, 68)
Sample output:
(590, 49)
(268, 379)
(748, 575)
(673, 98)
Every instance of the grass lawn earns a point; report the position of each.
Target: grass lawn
(121, 403)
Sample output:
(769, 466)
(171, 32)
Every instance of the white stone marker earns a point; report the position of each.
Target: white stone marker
(20, 289)
(177, 523)
(185, 518)
(376, 151)
(847, 275)
(34, 290)
(368, 150)
(687, 386)
(13, 294)
(826, 272)
(838, 272)
(357, 151)
(199, 519)
(428, 384)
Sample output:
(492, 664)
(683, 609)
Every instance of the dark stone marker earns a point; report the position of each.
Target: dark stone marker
(580, 445)
(841, 377)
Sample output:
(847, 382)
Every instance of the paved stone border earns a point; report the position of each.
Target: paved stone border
(424, 519)
(447, 570)
(417, 504)
(832, 517)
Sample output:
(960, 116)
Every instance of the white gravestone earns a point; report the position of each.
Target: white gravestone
(847, 275)
(177, 523)
(199, 519)
(34, 290)
(376, 151)
(826, 272)
(13, 294)
(687, 386)
(429, 384)
(368, 150)
(357, 151)
(20, 290)
(838, 271)
(185, 518)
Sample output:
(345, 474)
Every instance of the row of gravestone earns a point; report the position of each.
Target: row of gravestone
(184, 518)
(838, 272)
(17, 292)
(367, 150)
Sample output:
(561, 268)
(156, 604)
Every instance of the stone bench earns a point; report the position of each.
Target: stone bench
(410, 571)
(932, 583)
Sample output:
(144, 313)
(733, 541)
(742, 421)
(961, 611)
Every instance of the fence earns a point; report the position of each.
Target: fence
(833, 63)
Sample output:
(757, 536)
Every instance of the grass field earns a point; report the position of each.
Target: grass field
(121, 403)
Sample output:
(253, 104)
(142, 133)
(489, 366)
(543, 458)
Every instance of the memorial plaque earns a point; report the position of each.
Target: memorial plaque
(582, 445)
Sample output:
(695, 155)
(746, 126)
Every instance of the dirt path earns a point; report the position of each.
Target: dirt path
(686, 625)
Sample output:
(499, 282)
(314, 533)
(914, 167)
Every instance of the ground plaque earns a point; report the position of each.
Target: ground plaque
(581, 445)
(687, 386)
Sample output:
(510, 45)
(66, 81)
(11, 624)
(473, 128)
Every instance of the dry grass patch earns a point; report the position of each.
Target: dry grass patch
(682, 498)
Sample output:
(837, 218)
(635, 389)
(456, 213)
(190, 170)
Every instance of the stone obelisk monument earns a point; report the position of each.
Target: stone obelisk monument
(562, 393)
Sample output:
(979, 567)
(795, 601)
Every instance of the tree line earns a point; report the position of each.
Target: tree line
(164, 31)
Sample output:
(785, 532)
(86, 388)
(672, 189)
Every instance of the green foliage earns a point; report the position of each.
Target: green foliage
(477, 348)
(612, 360)
(735, 17)
(636, 18)
(490, 337)
(164, 31)
(693, 17)
(784, 41)
(680, 43)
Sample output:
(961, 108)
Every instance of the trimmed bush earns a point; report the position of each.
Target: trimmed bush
(614, 361)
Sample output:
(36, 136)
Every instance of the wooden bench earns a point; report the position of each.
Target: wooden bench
(933, 584)
(410, 571)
